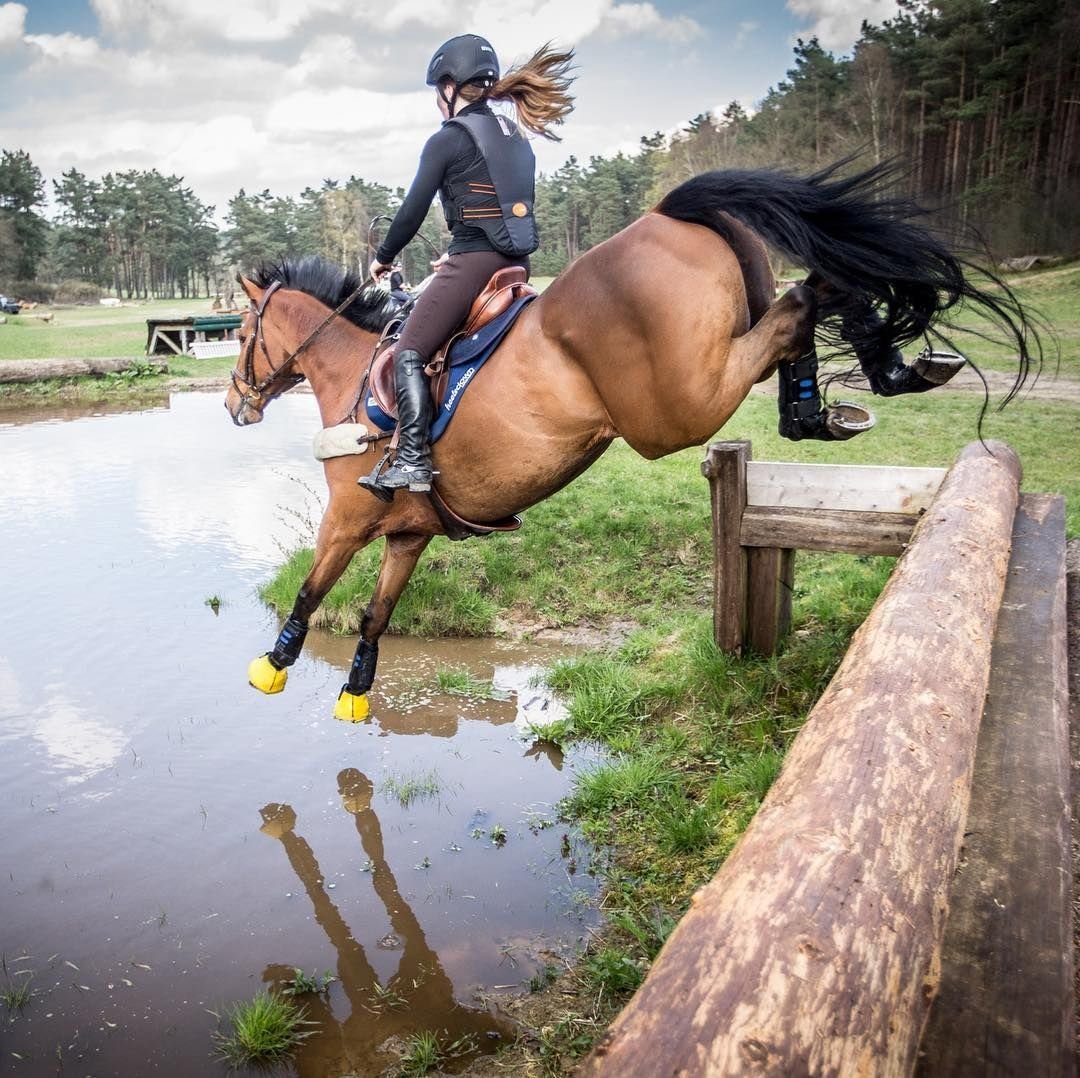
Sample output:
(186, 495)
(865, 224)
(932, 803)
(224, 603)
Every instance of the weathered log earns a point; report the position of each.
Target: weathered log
(815, 949)
(1005, 1004)
(34, 370)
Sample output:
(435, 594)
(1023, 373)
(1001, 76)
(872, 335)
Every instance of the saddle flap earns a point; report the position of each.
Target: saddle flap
(381, 380)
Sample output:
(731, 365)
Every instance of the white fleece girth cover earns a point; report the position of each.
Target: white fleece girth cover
(341, 441)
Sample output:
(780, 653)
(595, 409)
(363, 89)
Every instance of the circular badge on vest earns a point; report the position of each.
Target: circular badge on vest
(519, 209)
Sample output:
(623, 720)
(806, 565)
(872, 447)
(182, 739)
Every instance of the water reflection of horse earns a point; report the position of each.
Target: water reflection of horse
(417, 995)
(607, 352)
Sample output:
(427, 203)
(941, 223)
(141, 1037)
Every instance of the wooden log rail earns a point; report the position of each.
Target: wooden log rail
(34, 370)
(820, 945)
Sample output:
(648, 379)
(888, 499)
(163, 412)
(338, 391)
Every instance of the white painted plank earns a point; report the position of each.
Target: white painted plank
(851, 487)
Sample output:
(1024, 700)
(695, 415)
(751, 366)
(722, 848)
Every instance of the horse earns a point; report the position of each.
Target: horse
(605, 352)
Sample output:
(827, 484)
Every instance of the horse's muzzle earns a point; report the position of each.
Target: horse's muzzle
(243, 413)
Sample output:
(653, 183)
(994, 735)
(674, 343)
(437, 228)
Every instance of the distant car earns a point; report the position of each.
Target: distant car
(9, 306)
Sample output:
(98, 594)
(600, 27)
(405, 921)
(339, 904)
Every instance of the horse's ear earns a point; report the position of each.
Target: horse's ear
(253, 291)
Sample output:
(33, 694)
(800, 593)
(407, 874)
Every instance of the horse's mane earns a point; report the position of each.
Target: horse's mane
(330, 284)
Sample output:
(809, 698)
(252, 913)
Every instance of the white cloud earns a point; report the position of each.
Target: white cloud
(235, 20)
(836, 23)
(12, 21)
(635, 18)
(65, 48)
(348, 111)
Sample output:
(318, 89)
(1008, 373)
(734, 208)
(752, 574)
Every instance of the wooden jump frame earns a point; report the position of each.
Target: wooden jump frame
(762, 512)
(902, 900)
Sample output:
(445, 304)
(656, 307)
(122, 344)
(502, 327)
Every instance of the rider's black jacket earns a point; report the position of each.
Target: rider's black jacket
(453, 166)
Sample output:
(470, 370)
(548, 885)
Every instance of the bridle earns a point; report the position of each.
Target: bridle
(254, 394)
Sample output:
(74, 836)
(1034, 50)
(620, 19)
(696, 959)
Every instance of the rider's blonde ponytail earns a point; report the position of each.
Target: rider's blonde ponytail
(539, 89)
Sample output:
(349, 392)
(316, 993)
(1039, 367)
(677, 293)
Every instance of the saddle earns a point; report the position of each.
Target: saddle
(505, 287)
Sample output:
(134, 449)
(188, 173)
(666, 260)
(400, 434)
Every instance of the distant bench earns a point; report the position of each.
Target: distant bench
(202, 337)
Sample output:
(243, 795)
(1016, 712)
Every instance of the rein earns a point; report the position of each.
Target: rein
(251, 394)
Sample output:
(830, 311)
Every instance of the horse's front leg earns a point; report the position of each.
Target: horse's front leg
(334, 548)
(400, 556)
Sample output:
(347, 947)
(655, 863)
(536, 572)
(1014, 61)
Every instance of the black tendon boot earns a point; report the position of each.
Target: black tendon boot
(802, 414)
(411, 468)
(883, 364)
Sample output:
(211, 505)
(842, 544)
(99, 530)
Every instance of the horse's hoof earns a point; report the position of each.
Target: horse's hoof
(351, 707)
(844, 420)
(265, 676)
(938, 367)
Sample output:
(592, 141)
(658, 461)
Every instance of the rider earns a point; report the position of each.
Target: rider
(483, 169)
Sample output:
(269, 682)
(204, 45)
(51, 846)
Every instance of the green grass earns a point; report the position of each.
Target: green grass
(89, 332)
(307, 983)
(423, 1052)
(264, 1030)
(420, 1056)
(408, 789)
(460, 682)
(645, 525)
(16, 996)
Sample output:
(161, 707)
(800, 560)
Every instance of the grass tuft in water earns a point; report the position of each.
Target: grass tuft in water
(17, 996)
(406, 789)
(267, 1029)
(462, 683)
(421, 1055)
(304, 984)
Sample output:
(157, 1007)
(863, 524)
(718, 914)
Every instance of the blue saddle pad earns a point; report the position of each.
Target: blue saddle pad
(466, 357)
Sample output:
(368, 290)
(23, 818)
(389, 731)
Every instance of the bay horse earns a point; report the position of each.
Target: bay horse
(609, 352)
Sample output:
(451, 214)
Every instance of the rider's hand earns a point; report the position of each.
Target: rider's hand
(440, 261)
(377, 270)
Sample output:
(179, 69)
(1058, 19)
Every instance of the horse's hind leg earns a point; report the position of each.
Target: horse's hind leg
(792, 321)
(881, 361)
(400, 556)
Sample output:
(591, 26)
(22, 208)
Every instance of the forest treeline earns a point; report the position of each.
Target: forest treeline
(977, 101)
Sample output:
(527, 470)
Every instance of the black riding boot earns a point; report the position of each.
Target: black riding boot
(802, 413)
(883, 364)
(411, 467)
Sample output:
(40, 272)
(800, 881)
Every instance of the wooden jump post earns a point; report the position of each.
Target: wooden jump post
(880, 915)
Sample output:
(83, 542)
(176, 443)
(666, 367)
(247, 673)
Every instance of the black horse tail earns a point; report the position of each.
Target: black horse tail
(870, 249)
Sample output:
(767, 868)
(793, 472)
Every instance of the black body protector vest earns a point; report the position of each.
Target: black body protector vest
(504, 207)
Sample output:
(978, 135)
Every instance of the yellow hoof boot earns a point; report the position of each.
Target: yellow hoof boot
(264, 676)
(351, 707)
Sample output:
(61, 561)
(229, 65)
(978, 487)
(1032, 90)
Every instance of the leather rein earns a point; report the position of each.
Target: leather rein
(253, 394)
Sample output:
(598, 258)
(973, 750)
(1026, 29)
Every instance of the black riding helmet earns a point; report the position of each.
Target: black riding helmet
(462, 59)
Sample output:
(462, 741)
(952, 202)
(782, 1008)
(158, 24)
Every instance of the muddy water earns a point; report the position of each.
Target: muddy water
(174, 842)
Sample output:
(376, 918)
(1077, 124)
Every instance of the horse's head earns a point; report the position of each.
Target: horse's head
(269, 352)
(263, 371)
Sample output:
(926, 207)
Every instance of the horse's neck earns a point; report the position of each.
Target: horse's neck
(334, 366)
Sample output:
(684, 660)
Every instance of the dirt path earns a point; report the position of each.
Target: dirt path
(1048, 387)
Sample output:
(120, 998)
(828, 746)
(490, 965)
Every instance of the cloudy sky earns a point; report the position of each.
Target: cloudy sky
(280, 94)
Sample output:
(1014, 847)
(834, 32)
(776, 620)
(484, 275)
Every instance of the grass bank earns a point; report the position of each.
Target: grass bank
(629, 540)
